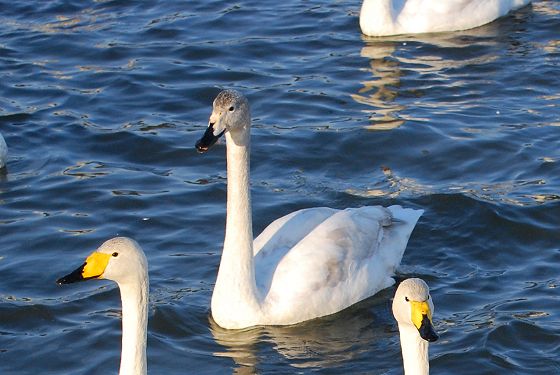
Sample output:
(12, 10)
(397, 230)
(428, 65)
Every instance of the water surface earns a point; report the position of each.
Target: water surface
(101, 103)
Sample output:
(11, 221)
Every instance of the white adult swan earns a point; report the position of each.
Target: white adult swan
(413, 308)
(309, 263)
(393, 17)
(3, 152)
(122, 260)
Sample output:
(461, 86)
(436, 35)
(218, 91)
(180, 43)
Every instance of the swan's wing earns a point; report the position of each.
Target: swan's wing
(349, 256)
(280, 236)
(290, 229)
(455, 7)
(433, 16)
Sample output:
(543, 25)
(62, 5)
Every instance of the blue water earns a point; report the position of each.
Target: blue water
(101, 103)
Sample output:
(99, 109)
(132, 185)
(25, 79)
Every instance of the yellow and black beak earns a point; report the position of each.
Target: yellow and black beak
(422, 319)
(93, 268)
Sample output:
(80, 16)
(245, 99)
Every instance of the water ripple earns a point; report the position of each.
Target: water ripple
(101, 103)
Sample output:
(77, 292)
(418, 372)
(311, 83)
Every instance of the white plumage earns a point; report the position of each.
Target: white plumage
(122, 260)
(413, 308)
(393, 17)
(307, 264)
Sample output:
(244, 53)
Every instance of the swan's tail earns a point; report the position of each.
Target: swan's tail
(396, 236)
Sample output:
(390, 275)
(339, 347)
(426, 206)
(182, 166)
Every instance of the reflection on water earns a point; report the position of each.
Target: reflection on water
(86, 20)
(321, 343)
(3, 174)
(390, 60)
(86, 170)
(102, 102)
(381, 92)
(240, 345)
(549, 8)
(512, 192)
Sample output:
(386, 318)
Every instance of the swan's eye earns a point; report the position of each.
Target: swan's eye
(115, 254)
(406, 299)
(231, 109)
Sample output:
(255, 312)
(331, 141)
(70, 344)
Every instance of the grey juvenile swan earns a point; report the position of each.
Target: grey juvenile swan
(307, 264)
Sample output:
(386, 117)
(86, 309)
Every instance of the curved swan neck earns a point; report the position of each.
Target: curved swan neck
(239, 224)
(235, 299)
(134, 298)
(237, 257)
(414, 351)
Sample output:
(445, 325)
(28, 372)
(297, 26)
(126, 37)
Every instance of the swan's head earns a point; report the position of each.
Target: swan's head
(413, 306)
(120, 259)
(230, 113)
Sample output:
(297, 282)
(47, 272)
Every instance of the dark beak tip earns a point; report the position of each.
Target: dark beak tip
(433, 338)
(201, 149)
(208, 139)
(72, 277)
(430, 336)
(63, 281)
(201, 146)
(427, 331)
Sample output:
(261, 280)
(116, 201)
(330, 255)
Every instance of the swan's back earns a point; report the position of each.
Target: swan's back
(386, 17)
(316, 262)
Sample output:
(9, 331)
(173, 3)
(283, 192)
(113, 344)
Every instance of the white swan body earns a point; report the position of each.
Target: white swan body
(393, 17)
(413, 308)
(122, 260)
(307, 264)
(3, 152)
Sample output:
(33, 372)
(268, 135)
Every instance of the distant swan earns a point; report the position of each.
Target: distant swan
(393, 17)
(3, 152)
(122, 260)
(413, 308)
(307, 264)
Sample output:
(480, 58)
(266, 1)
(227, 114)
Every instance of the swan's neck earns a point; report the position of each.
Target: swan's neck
(235, 300)
(134, 298)
(414, 351)
(382, 12)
